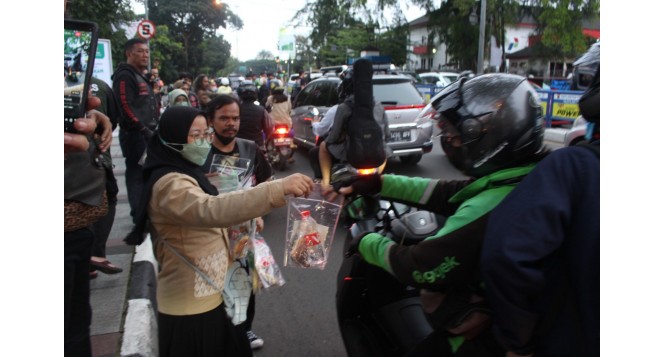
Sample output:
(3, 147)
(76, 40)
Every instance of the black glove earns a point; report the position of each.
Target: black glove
(354, 246)
(147, 133)
(362, 185)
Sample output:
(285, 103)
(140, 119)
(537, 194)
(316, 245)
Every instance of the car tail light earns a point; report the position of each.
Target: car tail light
(409, 106)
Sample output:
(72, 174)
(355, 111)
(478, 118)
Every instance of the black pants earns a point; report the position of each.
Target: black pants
(102, 229)
(133, 146)
(251, 312)
(78, 314)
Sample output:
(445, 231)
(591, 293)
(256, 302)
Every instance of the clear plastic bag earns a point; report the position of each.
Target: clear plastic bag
(232, 173)
(311, 225)
(267, 268)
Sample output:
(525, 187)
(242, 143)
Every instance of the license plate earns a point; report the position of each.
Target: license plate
(283, 141)
(400, 135)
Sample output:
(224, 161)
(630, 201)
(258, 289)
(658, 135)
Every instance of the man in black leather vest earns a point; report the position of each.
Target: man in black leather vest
(139, 113)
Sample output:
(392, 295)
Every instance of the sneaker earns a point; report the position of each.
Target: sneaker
(254, 341)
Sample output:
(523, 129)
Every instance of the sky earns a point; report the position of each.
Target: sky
(262, 21)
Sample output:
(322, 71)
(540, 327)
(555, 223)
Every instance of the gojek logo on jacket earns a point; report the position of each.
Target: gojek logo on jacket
(437, 273)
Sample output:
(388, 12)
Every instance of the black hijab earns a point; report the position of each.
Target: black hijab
(173, 128)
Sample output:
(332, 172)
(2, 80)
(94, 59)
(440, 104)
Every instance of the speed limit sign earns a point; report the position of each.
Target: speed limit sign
(146, 29)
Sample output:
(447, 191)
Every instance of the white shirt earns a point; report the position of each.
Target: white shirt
(323, 127)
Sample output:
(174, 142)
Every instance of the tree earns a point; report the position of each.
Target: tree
(394, 43)
(165, 50)
(216, 53)
(560, 24)
(109, 15)
(191, 22)
(265, 55)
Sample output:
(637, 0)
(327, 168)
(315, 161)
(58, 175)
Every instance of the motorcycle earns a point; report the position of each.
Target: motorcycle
(279, 147)
(378, 315)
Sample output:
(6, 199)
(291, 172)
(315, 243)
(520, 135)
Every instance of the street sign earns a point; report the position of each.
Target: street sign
(146, 29)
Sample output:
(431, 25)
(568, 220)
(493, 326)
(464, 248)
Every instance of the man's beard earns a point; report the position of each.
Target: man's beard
(224, 139)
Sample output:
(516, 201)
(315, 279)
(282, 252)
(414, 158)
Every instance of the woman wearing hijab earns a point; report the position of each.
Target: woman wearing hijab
(178, 97)
(185, 216)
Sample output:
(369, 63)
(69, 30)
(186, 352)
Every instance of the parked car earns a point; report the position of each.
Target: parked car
(416, 77)
(410, 137)
(450, 76)
(434, 78)
(333, 69)
(577, 133)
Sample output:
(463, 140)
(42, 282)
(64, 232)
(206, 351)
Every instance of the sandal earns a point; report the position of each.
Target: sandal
(93, 274)
(105, 267)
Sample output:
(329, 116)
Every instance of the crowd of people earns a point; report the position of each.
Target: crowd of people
(169, 133)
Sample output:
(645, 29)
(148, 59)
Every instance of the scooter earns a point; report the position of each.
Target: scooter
(378, 315)
(279, 147)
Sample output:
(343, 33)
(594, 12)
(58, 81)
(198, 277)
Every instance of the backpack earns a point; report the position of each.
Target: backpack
(364, 137)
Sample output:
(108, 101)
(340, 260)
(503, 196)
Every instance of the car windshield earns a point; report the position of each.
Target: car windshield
(396, 92)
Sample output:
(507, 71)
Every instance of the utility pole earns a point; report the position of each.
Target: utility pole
(148, 41)
(480, 50)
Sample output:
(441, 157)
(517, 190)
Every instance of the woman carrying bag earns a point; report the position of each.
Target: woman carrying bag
(185, 217)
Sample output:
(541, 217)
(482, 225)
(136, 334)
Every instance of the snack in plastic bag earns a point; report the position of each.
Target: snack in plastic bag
(307, 249)
(239, 235)
(312, 222)
(267, 268)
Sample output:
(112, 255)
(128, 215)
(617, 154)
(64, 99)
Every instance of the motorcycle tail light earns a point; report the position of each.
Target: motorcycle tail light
(282, 130)
(367, 172)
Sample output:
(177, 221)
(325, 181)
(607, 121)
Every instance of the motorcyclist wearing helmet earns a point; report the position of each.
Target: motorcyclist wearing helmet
(255, 122)
(541, 257)
(333, 148)
(495, 123)
(224, 86)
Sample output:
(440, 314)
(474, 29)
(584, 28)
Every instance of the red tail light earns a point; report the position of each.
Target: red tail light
(409, 106)
(308, 119)
(281, 130)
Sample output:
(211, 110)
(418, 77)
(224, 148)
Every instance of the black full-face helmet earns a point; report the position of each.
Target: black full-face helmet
(345, 87)
(493, 122)
(247, 90)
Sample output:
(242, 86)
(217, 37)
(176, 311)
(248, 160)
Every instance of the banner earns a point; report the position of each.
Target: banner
(103, 62)
(286, 43)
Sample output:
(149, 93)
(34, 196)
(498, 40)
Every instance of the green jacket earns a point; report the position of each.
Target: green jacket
(452, 254)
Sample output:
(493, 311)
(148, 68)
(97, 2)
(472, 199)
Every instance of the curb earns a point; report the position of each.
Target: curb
(140, 337)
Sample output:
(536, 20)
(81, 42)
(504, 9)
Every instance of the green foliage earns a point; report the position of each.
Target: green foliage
(165, 51)
(109, 15)
(342, 28)
(560, 24)
(216, 52)
(394, 43)
(231, 66)
(451, 25)
(190, 22)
